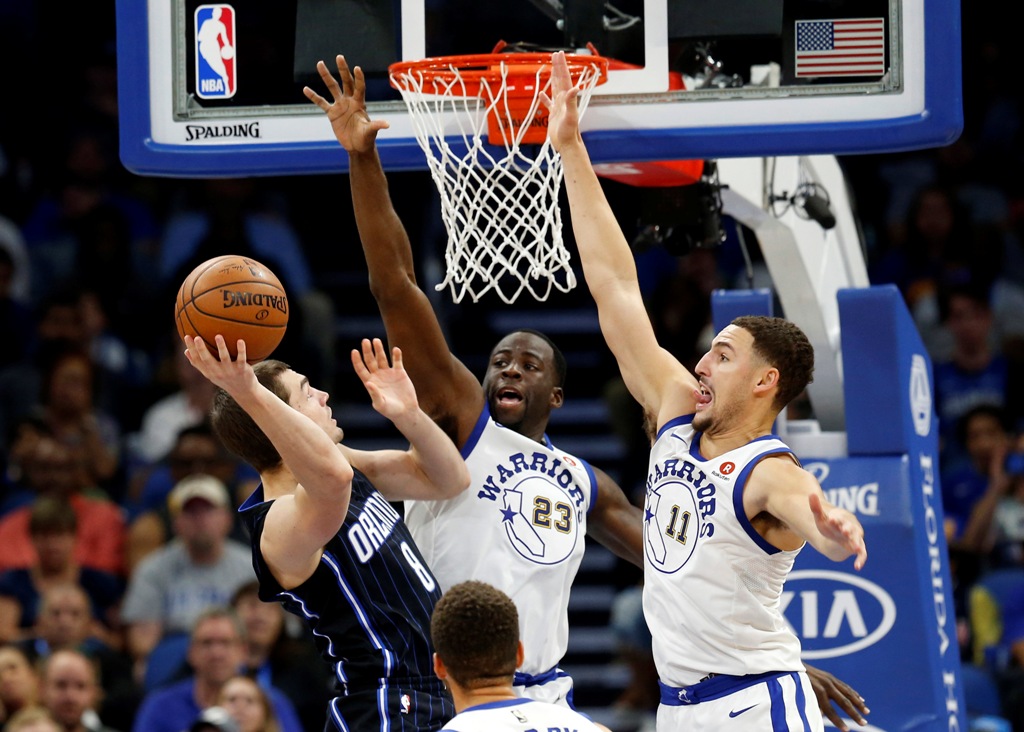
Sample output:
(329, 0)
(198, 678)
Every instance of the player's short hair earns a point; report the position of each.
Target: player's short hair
(475, 631)
(561, 366)
(783, 345)
(238, 431)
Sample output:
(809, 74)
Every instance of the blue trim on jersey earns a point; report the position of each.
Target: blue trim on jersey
(685, 419)
(339, 721)
(361, 614)
(714, 688)
(593, 485)
(499, 704)
(478, 429)
(255, 498)
(544, 677)
(737, 499)
(778, 706)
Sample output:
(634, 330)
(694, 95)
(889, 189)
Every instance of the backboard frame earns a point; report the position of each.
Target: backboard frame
(925, 111)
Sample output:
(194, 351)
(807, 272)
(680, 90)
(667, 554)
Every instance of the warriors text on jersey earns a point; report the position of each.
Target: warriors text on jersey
(519, 715)
(712, 584)
(368, 604)
(519, 526)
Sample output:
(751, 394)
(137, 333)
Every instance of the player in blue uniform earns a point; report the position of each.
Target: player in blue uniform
(326, 543)
(521, 387)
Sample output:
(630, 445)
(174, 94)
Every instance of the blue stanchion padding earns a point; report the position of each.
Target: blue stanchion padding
(727, 305)
(886, 371)
(888, 630)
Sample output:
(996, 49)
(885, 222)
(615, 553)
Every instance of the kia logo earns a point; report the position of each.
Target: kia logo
(835, 613)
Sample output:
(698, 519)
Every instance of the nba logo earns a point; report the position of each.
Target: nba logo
(215, 52)
(406, 703)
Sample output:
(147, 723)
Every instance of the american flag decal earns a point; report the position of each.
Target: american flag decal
(846, 47)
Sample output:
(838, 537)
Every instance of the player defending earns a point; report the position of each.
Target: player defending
(326, 543)
(530, 503)
(475, 630)
(500, 429)
(728, 506)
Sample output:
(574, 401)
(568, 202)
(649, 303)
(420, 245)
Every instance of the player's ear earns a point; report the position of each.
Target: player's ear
(769, 380)
(439, 670)
(557, 397)
(520, 655)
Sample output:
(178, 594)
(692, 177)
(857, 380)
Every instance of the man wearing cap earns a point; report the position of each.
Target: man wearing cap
(197, 569)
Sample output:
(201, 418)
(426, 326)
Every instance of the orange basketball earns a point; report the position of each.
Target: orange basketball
(238, 298)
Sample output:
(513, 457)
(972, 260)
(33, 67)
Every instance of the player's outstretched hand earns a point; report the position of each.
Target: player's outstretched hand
(351, 124)
(563, 113)
(231, 376)
(841, 527)
(829, 689)
(389, 385)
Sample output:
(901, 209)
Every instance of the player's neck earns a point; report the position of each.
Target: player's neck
(719, 442)
(278, 482)
(467, 698)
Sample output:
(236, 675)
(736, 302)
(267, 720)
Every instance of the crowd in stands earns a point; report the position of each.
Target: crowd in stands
(126, 590)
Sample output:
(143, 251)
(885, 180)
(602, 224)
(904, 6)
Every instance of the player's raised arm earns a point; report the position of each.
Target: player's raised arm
(432, 467)
(445, 386)
(655, 378)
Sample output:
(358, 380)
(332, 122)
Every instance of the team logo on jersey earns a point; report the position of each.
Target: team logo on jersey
(215, 51)
(541, 523)
(678, 510)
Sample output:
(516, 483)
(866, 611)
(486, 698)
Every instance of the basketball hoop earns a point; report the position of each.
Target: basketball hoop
(499, 187)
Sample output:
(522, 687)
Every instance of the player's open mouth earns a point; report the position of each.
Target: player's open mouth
(507, 397)
(702, 395)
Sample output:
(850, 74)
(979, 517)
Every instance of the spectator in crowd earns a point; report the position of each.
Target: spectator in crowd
(196, 450)
(54, 471)
(53, 528)
(71, 691)
(996, 526)
(200, 568)
(216, 652)
(249, 705)
(975, 372)
(984, 436)
(65, 624)
(32, 719)
(19, 683)
(163, 421)
(22, 439)
(275, 658)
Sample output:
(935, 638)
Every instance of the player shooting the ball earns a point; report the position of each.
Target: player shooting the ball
(326, 543)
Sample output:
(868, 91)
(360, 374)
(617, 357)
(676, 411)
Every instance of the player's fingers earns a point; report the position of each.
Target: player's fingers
(380, 353)
(380, 124)
(240, 350)
(834, 717)
(222, 348)
(560, 72)
(396, 358)
(862, 556)
(315, 98)
(329, 80)
(368, 357)
(359, 366)
(345, 74)
(851, 704)
(358, 90)
(545, 100)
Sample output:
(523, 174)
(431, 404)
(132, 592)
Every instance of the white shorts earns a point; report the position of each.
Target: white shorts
(782, 702)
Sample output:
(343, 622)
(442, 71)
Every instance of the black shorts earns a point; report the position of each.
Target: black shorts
(420, 706)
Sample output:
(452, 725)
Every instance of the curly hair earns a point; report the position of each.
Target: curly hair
(783, 345)
(475, 632)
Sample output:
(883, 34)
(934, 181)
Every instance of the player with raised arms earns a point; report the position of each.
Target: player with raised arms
(728, 506)
(326, 543)
(524, 517)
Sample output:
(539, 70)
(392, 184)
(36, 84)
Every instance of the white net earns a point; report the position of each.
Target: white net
(499, 202)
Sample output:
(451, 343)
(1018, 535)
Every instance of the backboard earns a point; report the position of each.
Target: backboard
(215, 89)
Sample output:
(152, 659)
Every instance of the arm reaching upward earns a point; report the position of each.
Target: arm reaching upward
(447, 390)
(300, 522)
(432, 467)
(663, 386)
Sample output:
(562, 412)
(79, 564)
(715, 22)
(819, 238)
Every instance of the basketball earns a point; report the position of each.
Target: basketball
(227, 52)
(238, 298)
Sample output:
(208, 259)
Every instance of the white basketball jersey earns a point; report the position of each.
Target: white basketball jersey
(712, 584)
(519, 715)
(519, 526)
